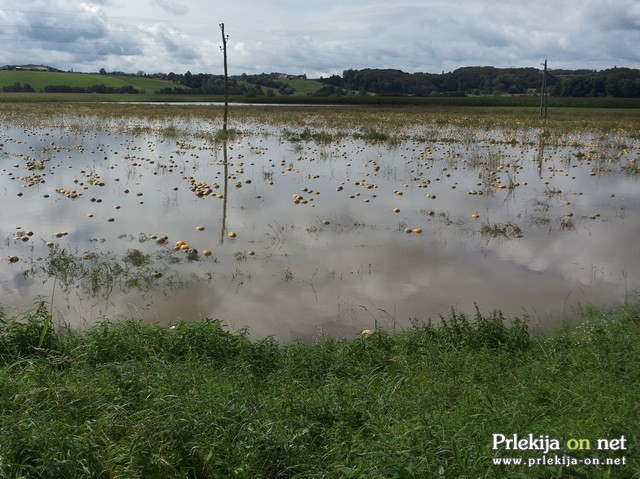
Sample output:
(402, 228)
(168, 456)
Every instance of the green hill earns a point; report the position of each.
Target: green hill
(304, 87)
(39, 80)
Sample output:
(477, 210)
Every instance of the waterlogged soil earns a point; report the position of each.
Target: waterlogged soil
(296, 231)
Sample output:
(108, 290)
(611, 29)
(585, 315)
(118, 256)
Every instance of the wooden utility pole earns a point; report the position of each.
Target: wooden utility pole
(543, 96)
(224, 129)
(225, 191)
(226, 78)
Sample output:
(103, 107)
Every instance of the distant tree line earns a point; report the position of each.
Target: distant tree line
(199, 83)
(616, 82)
(17, 87)
(90, 89)
(468, 80)
(204, 83)
(269, 81)
(26, 88)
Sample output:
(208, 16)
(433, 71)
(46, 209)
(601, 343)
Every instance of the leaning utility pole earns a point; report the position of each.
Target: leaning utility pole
(543, 97)
(226, 78)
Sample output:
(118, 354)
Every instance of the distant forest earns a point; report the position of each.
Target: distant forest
(614, 82)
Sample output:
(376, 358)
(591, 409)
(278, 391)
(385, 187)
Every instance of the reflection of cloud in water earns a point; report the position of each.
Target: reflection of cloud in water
(418, 281)
(359, 270)
(584, 259)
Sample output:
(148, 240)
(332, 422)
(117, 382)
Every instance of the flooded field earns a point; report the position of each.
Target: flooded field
(312, 221)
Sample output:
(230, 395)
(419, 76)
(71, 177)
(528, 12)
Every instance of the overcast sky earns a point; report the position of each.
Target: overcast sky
(319, 38)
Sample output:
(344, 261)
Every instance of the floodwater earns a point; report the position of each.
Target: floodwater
(329, 238)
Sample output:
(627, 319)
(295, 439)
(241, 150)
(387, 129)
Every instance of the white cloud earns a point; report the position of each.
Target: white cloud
(325, 38)
(174, 8)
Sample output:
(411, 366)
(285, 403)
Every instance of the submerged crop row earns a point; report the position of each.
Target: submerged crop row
(390, 120)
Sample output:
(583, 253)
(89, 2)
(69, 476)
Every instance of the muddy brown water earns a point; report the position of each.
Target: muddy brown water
(523, 224)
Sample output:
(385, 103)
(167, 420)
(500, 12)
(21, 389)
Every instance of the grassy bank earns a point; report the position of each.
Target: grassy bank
(124, 399)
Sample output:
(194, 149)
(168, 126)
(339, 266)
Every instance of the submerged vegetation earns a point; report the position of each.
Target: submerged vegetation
(183, 208)
(363, 120)
(506, 230)
(126, 399)
(97, 274)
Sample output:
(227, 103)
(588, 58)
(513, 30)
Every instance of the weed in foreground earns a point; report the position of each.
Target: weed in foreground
(28, 335)
(491, 331)
(196, 400)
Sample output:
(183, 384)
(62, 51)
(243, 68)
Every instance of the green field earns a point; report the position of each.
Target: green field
(39, 80)
(304, 87)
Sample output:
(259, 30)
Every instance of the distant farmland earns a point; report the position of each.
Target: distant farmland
(39, 80)
(304, 87)
(305, 92)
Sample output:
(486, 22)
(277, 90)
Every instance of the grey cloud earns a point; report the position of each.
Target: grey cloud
(55, 30)
(174, 8)
(69, 39)
(613, 17)
(283, 35)
(67, 24)
(175, 44)
(488, 35)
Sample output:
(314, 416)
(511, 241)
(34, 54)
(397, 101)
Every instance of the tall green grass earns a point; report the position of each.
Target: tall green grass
(125, 399)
